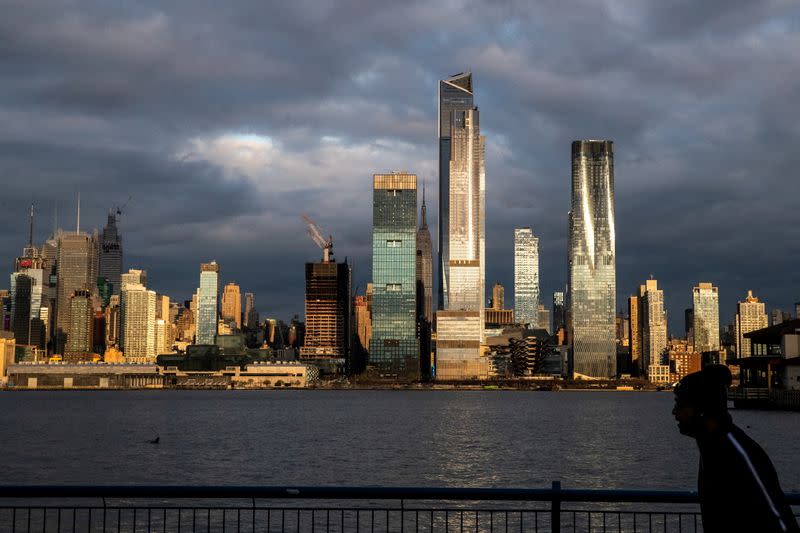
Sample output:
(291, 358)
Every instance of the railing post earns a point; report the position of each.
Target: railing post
(555, 508)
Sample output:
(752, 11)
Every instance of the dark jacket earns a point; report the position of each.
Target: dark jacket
(738, 486)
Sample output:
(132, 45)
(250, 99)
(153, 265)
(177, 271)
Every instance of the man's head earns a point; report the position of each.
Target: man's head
(701, 398)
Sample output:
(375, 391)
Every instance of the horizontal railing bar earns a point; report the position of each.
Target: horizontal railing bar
(354, 493)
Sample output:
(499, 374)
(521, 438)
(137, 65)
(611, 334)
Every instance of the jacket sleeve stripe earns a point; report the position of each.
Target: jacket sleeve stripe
(753, 471)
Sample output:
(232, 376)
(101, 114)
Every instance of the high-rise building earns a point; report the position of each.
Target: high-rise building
(460, 324)
(394, 348)
(232, 304)
(112, 312)
(498, 297)
(424, 267)
(635, 332)
(207, 303)
(81, 318)
(250, 313)
(779, 317)
(363, 322)
(751, 314)
(327, 326)
(797, 310)
(544, 319)
(526, 277)
(424, 290)
(592, 260)
(110, 255)
(75, 271)
(706, 317)
(137, 334)
(559, 312)
(654, 325)
(455, 99)
(30, 298)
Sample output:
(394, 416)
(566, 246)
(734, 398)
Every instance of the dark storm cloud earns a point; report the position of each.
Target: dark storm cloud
(226, 121)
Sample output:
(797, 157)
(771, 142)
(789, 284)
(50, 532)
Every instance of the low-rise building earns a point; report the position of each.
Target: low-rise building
(84, 376)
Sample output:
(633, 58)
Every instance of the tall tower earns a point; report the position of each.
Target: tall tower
(462, 245)
(705, 298)
(75, 271)
(424, 267)
(250, 313)
(207, 303)
(526, 277)
(232, 304)
(394, 347)
(498, 297)
(137, 331)
(455, 97)
(559, 312)
(654, 324)
(110, 260)
(592, 260)
(80, 317)
(751, 314)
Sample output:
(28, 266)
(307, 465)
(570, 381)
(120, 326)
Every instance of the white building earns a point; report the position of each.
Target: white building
(751, 315)
(526, 277)
(705, 298)
(137, 318)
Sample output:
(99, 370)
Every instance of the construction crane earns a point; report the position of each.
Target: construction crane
(121, 207)
(316, 236)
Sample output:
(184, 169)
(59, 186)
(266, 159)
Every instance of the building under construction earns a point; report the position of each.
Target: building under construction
(327, 303)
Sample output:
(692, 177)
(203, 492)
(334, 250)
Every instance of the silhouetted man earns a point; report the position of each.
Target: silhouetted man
(738, 486)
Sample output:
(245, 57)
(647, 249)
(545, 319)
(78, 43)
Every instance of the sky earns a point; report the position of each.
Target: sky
(226, 121)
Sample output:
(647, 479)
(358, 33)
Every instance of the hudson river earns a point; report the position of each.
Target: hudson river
(401, 438)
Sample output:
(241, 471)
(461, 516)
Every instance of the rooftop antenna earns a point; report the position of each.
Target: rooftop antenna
(78, 230)
(30, 231)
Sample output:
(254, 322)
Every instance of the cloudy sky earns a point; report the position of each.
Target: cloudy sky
(225, 121)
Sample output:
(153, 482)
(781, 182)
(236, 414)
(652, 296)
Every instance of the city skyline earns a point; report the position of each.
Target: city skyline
(173, 221)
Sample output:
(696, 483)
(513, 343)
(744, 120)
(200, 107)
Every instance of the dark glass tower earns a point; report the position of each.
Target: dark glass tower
(110, 260)
(592, 260)
(455, 94)
(394, 347)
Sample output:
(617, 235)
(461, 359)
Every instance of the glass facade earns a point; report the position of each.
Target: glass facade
(559, 311)
(526, 278)
(110, 261)
(75, 271)
(592, 260)
(207, 298)
(705, 298)
(455, 96)
(654, 325)
(394, 347)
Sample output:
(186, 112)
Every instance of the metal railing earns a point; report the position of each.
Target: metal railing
(343, 509)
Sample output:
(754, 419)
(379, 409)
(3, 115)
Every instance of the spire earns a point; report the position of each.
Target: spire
(30, 231)
(424, 224)
(78, 225)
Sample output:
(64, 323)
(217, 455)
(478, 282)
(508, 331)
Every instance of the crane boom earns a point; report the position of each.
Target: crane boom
(316, 235)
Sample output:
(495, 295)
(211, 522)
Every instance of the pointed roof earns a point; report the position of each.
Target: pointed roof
(424, 224)
(462, 81)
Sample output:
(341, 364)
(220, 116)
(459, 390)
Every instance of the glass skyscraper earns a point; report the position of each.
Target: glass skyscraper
(592, 260)
(394, 347)
(462, 246)
(76, 271)
(705, 298)
(110, 260)
(526, 278)
(455, 98)
(207, 306)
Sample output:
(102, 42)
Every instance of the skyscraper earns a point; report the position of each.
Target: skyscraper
(110, 260)
(526, 277)
(705, 298)
(455, 98)
(559, 312)
(207, 303)
(592, 260)
(327, 327)
(75, 271)
(232, 304)
(654, 325)
(498, 297)
(751, 314)
(394, 347)
(635, 332)
(424, 267)
(462, 185)
(137, 333)
(81, 314)
(250, 313)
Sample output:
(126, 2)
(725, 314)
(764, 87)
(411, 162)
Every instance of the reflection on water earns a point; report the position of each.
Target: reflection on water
(423, 438)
